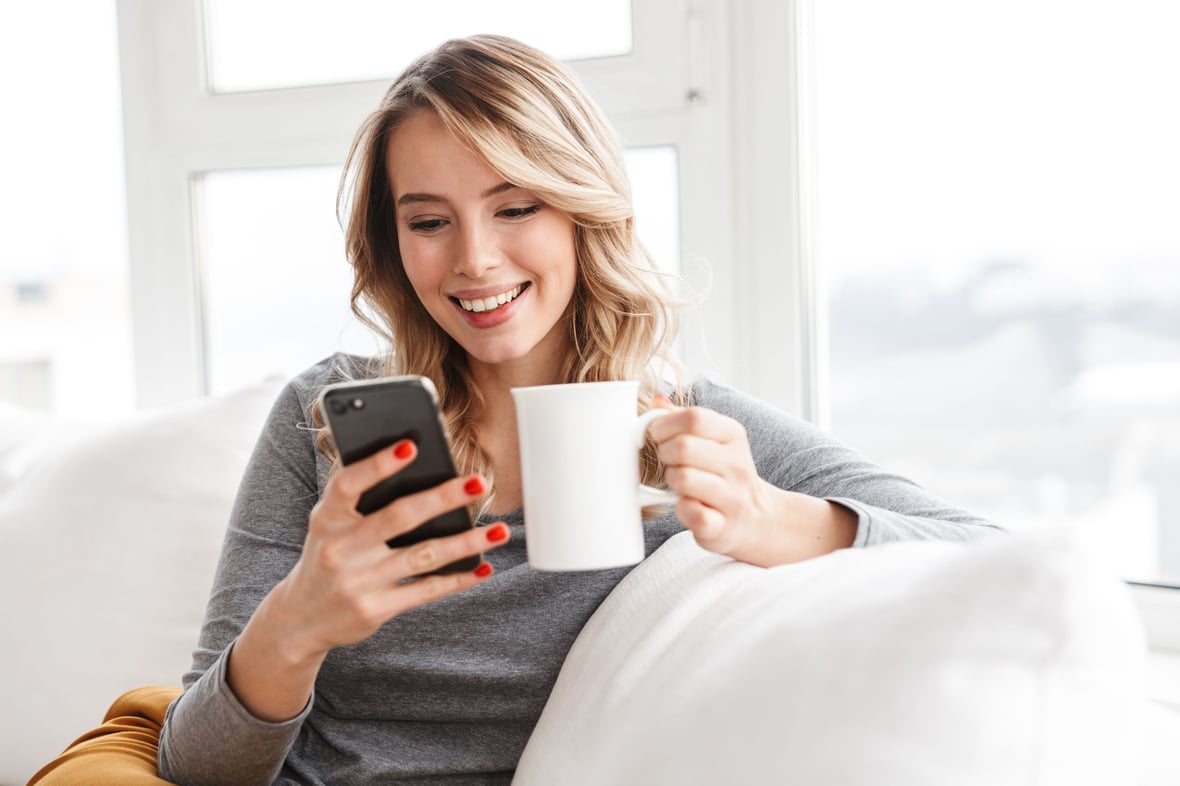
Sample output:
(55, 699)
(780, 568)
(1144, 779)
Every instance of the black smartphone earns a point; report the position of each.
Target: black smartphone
(371, 415)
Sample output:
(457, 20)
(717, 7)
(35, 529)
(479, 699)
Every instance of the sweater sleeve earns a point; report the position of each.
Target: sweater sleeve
(796, 456)
(208, 736)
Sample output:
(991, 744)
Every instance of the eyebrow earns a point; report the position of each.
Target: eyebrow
(416, 198)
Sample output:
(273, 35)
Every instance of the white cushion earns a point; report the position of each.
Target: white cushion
(913, 664)
(1161, 765)
(108, 542)
(22, 432)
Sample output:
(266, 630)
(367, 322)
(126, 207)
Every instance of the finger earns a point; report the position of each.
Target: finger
(344, 489)
(430, 555)
(413, 510)
(690, 450)
(409, 595)
(706, 487)
(661, 401)
(708, 526)
(702, 422)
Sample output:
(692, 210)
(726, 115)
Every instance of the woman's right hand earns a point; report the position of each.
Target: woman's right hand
(348, 582)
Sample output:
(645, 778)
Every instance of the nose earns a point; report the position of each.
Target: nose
(477, 252)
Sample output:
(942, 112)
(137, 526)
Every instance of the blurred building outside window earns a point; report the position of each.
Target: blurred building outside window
(998, 192)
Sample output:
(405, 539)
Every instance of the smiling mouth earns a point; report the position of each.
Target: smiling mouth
(492, 302)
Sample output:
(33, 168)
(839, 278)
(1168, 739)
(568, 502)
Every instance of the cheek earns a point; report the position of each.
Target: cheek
(419, 266)
(425, 286)
(560, 249)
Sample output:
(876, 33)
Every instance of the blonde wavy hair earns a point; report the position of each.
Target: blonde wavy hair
(529, 118)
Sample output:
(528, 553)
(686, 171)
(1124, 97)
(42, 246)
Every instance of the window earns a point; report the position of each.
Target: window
(274, 283)
(27, 383)
(65, 333)
(232, 181)
(998, 188)
(265, 44)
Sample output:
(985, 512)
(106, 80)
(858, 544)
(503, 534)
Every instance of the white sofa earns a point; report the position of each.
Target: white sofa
(1016, 662)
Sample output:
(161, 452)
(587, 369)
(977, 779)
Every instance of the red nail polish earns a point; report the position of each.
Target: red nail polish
(484, 570)
(403, 449)
(474, 486)
(498, 533)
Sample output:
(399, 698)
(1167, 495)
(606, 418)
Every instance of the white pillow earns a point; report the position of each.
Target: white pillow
(108, 542)
(1161, 767)
(1017, 661)
(21, 431)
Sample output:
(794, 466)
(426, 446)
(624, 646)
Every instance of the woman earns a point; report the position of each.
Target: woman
(493, 244)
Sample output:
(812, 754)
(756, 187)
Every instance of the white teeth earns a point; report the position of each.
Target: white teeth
(493, 302)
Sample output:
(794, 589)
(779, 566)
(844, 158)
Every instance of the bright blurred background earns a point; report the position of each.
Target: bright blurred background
(992, 209)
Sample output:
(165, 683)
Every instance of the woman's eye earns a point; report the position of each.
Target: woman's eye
(519, 212)
(426, 225)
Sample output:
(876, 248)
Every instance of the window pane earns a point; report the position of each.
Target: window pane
(998, 192)
(263, 44)
(274, 280)
(655, 187)
(65, 333)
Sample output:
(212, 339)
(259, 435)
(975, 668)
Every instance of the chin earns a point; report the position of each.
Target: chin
(494, 357)
(491, 351)
(508, 349)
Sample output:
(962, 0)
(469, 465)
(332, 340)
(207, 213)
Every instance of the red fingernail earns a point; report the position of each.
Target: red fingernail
(484, 570)
(498, 533)
(403, 449)
(474, 486)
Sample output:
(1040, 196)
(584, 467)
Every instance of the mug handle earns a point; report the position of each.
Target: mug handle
(647, 494)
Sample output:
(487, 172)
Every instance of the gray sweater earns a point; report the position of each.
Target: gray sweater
(448, 693)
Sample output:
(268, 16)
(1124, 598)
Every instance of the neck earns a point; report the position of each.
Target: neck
(496, 380)
(496, 427)
(496, 383)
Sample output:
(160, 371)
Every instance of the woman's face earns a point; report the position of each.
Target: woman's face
(492, 264)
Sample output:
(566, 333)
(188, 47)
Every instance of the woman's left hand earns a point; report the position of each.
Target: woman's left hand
(727, 506)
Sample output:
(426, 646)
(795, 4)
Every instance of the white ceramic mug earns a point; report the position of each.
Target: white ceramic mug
(579, 461)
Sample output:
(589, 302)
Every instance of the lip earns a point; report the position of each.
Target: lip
(484, 320)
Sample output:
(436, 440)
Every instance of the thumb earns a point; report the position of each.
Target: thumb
(662, 402)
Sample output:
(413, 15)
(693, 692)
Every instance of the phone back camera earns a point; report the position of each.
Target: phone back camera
(338, 406)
